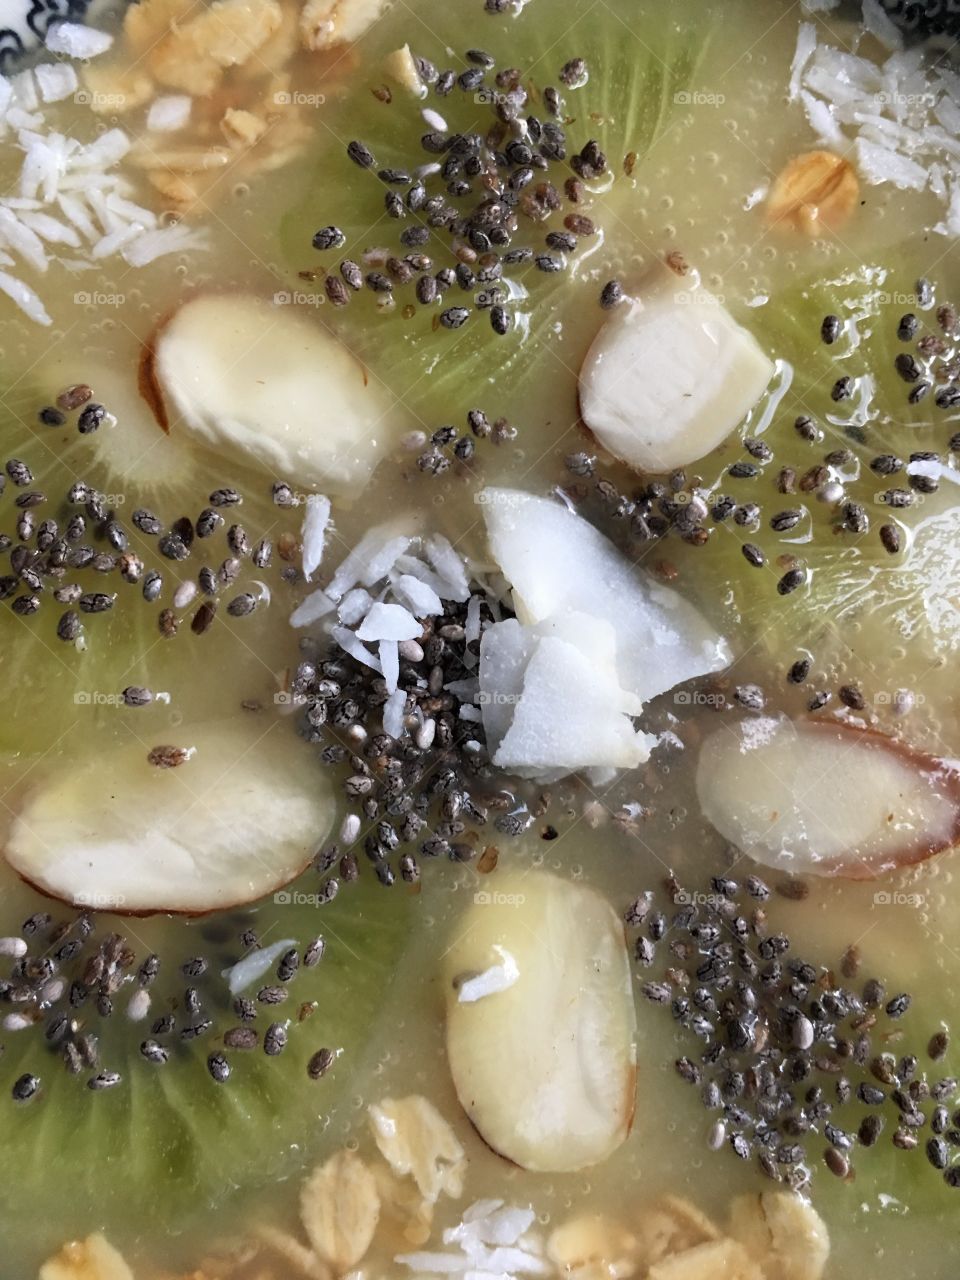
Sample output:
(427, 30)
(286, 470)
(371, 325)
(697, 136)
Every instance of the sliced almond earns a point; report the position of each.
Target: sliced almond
(543, 1056)
(669, 375)
(828, 799)
(783, 1233)
(242, 818)
(261, 378)
(815, 193)
(195, 53)
(340, 1209)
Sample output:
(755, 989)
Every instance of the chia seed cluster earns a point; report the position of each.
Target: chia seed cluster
(66, 982)
(477, 198)
(790, 1061)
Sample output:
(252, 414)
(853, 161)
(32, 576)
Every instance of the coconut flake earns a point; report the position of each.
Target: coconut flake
(56, 81)
(107, 150)
(393, 713)
(24, 88)
(50, 229)
(77, 41)
(354, 567)
(315, 524)
(25, 298)
(354, 606)
(389, 651)
(806, 43)
(254, 965)
(22, 240)
(822, 120)
(316, 606)
(389, 622)
(418, 596)
(350, 644)
(449, 566)
(169, 113)
(879, 164)
(499, 977)
(880, 25)
(164, 240)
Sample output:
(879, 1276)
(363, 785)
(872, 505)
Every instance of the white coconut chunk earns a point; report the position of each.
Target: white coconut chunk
(419, 597)
(56, 81)
(254, 965)
(354, 606)
(449, 566)
(6, 94)
(315, 524)
(348, 641)
(669, 376)
(389, 622)
(826, 799)
(504, 654)
(268, 382)
(551, 729)
(559, 564)
(389, 651)
(545, 1068)
(169, 113)
(241, 817)
(77, 41)
(393, 713)
(25, 298)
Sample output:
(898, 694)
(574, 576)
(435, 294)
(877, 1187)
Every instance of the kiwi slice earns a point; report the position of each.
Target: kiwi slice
(808, 550)
(636, 65)
(168, 1139)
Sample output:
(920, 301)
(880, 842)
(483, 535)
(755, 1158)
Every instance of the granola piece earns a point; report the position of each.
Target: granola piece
(145, 23)
(91, 1259)
(401, 67)
(303, 1261)
(112, 89)
(673, 1225)
(242, 129)
(593, 1247)
(717, 1260)
(414, 1139)
(340, 1209)
(783, 1233)
(194, 55)
(326, 23)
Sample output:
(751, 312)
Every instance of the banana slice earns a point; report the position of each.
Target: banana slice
(541, 1024)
